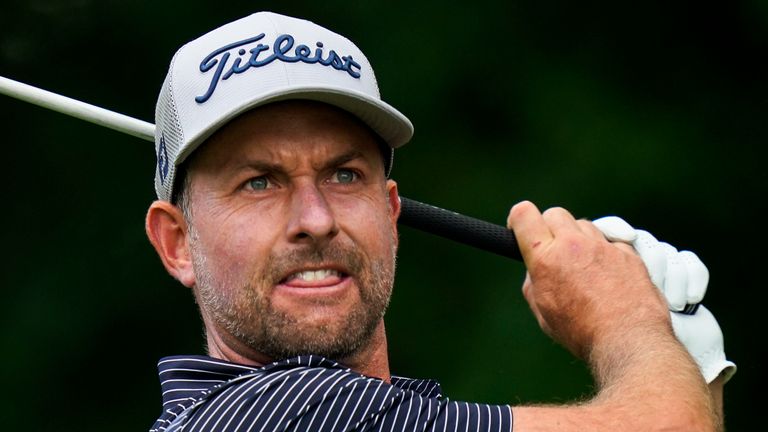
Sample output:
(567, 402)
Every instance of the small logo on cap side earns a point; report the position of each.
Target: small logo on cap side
(281, 49)
(163, 164)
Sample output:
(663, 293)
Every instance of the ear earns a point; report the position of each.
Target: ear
(393, 197)
(167, 231)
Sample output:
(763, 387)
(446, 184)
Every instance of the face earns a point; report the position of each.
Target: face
(292, 231)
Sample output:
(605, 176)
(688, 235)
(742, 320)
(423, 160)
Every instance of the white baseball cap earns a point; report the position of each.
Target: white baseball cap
(262, 58)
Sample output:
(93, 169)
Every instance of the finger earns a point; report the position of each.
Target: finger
(675, 279)
(653, 255)
(530, 228)
(615, 229)
(590, 229)
(626, 247)
(528, 293)
(560, 220)
(698, 277)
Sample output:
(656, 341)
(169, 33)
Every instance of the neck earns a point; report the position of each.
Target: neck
(370, 360)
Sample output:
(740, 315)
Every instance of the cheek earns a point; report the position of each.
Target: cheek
(234, 251)
(369, 223)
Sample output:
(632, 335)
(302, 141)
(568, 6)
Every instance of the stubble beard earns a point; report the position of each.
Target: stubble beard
(244, 308)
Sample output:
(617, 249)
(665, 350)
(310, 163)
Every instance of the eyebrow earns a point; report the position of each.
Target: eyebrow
(264, 166)
(343, 158)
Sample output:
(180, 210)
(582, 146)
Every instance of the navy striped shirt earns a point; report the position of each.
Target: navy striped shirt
(308, 393)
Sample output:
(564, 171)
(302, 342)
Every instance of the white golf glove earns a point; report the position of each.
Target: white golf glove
(683, 279)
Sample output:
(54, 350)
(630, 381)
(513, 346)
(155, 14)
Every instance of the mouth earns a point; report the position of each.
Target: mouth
(314, 278)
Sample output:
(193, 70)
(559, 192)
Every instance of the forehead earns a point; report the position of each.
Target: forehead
(286, 129)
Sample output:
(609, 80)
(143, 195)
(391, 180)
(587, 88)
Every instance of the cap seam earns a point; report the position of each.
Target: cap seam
(282, 64)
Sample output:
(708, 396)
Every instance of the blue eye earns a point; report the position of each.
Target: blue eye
(258, 183)
(344, 176)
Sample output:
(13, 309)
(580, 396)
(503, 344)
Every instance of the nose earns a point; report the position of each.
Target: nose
(311, 219)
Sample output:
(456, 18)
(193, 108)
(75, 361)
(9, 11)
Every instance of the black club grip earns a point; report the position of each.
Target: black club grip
(458, 227)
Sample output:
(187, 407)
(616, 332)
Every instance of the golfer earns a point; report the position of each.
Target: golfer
(275, 207)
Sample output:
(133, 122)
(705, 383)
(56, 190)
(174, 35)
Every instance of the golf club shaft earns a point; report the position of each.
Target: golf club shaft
(424, 217)
(75, 108)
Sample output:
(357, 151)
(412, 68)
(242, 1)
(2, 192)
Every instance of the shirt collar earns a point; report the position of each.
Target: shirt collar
(186, 377)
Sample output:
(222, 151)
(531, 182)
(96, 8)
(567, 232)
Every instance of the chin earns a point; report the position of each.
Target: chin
(326, 336)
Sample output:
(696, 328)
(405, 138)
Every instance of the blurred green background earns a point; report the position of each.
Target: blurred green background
(654, 111)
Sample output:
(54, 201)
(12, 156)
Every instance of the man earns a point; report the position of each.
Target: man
(275, 207)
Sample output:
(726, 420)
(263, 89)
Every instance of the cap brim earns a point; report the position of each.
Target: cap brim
(392, 126)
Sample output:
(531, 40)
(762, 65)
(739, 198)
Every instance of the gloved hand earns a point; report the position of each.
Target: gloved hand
(703, 339)
(683, 279)
(681, 276)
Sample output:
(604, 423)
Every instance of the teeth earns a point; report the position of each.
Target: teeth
(310, 276)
